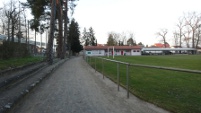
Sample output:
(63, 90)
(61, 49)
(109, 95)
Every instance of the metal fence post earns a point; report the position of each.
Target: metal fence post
(127, 79)
(118, 76)
(90, 60)
(103, 68)
(95, 64)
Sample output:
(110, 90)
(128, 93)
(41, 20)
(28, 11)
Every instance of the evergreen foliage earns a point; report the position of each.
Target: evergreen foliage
(37, 7)
(89, 37)
(92, 37)
(131, 42)
(73, 37)
(111, 41)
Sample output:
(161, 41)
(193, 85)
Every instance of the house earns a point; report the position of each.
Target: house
(159, 45)
(112, 50)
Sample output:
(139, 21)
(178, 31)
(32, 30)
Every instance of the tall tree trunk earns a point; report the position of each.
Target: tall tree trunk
(65, 27)
(28, 36)
(164, 41)
(193, 40)
(12, 30)
(41, 43)
(69, 49)
(198, 39)
(51, 33)
(35, 43)
(60, 43)
(193, 37)
(3, 28)
(19, 33)
(26, 29)
(8, 26)
(180, 36)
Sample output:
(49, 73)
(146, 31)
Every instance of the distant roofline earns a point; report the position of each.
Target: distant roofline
(167, 49)
(110, 47)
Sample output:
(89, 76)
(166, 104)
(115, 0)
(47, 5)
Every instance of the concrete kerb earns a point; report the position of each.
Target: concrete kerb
(19, 98)
(15, 78)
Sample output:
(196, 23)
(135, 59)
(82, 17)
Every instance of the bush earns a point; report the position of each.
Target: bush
(13, 50)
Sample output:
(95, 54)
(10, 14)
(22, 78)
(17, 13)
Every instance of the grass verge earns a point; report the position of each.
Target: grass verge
(16, 62)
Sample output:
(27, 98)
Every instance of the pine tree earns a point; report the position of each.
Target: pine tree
(92, 37)
(110, 40)
(88, 37)
(38, 10)
(74, 35)
(85, 38)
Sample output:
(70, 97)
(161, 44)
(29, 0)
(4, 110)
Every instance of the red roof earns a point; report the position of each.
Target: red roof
(100, 44)
(161, 45)
(110, 47)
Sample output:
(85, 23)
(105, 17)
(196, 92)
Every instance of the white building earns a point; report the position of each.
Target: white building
(110, 50)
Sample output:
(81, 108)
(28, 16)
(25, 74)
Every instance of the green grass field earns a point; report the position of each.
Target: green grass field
(178, 92)
(15, 62)
(177, 61)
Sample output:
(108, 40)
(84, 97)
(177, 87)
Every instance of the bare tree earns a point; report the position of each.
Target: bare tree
(25, 23)
(176, 38)
(8, 11)
(2, 22)
(123, 38)
(12, 19)
(187, 36)
(163, 34)
(116, 37)
(180, 25)
(193, 20)
(198, 36)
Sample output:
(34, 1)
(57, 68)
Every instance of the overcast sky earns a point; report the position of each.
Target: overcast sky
(142, 17)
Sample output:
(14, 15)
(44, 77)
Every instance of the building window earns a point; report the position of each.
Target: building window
(134, 50)
(138, 50)
(127, 50)
(89, 52)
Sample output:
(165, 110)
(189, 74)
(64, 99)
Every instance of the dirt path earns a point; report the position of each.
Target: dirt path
(75, 88)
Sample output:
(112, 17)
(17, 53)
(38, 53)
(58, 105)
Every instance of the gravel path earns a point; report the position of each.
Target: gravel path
(75, 88)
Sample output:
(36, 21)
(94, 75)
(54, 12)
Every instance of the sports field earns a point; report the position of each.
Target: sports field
(177, 61)
(178, 92)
